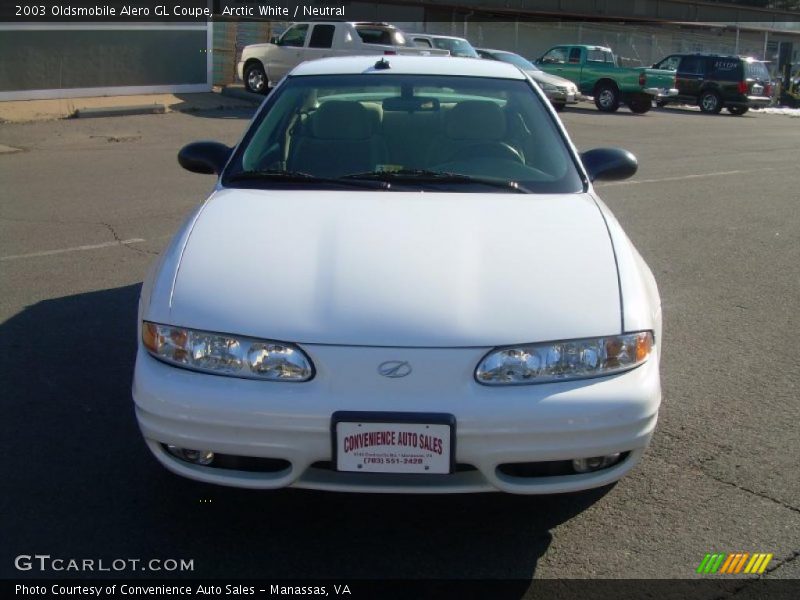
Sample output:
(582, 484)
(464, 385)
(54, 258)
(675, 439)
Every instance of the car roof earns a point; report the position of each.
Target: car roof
(409, 65)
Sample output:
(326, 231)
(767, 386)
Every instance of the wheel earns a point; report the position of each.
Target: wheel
(255, 79)
(488, 150)
(606, 97)
(640, 104)
(710, 102)
(559, 106)
(738, 110)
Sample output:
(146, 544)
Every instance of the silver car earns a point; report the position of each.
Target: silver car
(560, 91)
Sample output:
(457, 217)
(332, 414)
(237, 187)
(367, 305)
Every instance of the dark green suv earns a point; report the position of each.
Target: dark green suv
(714, 82)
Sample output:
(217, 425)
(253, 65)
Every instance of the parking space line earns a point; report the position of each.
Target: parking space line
(73, 249)
(679, 178)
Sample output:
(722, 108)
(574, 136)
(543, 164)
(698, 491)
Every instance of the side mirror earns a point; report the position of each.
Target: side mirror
(274, 40)
(204, 157)
(609, 164)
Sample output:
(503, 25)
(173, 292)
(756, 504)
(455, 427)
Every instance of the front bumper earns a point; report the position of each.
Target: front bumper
(562, 97)
(494, 426)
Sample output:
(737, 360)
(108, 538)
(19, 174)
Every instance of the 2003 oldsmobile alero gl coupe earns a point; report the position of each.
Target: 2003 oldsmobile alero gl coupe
(403, 281)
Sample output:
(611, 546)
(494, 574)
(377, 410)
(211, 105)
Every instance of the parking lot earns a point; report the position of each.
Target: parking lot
(715, 210)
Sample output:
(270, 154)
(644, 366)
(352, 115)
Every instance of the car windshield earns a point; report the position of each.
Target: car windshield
(457, 47)
(517, 60)
(405, 132)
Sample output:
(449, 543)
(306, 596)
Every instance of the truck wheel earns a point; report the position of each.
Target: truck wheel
(640, 104)
(559, 106)
(710, 102)
(606, 97)
(738, 110)
(255, 79)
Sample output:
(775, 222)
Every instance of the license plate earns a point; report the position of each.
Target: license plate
(757, 90)
(370, 442)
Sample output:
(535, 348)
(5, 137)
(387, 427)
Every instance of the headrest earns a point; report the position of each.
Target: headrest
(340, 120)
(475, 120)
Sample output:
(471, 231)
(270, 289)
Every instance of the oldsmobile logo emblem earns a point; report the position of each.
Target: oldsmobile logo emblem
(394, 368)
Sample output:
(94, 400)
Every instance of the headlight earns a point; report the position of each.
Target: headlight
(548, 87)
(560, 361)
(225, 354)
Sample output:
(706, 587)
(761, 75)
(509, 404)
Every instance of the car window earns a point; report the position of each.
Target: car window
(756, 70)
(373, 126)
(575, 55)
(423, 42)
(669, 64)
(725, 69)
(456, 47)
(516, 59)
(555, 56)
(384, 36)
(294, 36)
(322, 36)
(691, 65)
(598, 56)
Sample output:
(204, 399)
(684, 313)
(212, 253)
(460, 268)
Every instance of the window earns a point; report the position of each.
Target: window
(294, 36)
(756, 70)
(555, 56)
(322, 36)
(691, 65)
(575, 56)
(369, 127)
(377, 35)
(422, 43)
(669, 64)
(599, 56)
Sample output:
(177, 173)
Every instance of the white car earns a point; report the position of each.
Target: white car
(366, 302)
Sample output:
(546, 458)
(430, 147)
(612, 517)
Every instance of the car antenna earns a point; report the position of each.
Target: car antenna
(383, 64)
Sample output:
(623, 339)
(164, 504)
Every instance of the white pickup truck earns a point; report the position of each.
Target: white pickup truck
(262, 66)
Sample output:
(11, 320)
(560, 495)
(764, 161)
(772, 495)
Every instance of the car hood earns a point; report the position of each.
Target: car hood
(383, 268)
(542, 77)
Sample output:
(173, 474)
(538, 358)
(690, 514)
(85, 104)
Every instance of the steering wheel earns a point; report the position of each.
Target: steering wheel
(488, 150)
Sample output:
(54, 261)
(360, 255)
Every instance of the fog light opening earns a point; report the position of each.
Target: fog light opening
(197, 457)
(594, 463)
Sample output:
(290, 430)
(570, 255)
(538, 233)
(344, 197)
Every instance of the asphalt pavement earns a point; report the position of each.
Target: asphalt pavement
(86, 207)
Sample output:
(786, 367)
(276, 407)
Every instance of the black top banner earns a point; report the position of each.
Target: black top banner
(111, 11)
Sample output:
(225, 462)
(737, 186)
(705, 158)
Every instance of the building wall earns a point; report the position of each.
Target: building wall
(62, 60)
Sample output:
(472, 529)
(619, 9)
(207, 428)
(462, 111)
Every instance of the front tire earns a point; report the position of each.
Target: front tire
(255, 79)
(640, 104)
(606, 97)
(710, 102)
(738, 110)
(559, 106)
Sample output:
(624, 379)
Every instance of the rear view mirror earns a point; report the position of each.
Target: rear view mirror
(609, 164)
(204, 157)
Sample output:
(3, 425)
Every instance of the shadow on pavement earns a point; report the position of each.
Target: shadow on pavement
(80, 482)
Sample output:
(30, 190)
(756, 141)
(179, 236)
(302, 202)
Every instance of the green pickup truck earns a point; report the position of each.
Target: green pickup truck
(594, 69)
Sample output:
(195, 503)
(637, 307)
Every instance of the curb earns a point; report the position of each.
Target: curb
(242, 94)
(120, 111)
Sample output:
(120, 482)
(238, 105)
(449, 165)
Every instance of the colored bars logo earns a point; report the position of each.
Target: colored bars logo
(733, 564)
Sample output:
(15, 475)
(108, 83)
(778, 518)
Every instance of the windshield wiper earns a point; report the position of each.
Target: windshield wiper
(427, 176)
(300, 177)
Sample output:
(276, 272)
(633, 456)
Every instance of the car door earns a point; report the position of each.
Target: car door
(689, 77)
(289, 52)
(556, 62)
